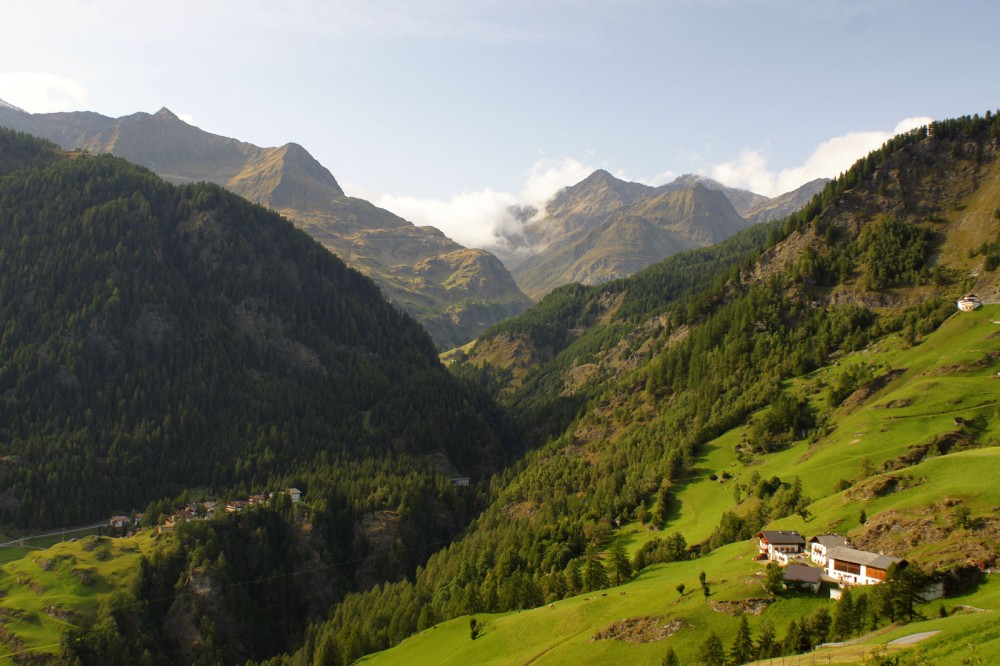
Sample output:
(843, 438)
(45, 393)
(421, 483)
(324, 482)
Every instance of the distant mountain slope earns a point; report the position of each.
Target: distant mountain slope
(467, 291)
(604, 228)
(785, 204)
(161, 337)
(756, 208)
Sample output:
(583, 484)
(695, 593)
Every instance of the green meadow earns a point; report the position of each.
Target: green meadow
(44, 592)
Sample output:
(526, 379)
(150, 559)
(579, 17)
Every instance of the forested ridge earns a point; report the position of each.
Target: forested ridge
(630, 438)
(161, 341)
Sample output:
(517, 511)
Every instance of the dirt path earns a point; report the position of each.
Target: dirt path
(23, 540)
(913, 638)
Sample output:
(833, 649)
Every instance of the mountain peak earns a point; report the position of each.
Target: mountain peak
(166, 114)
(8, 105)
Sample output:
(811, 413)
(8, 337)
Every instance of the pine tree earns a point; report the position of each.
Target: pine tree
(711, 652)
(621, 568)
(742, 650)
(595, 576)
(766, 646)
(670, 658)
(843, 616)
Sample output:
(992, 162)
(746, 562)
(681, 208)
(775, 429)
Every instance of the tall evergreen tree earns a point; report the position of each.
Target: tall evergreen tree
(844, 620)
(766, 645)
(621, 568)
(742, 650)
(711, 652)
(595, 576)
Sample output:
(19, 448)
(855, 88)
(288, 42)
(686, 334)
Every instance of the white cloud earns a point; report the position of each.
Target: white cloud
(41, 92)
(483, 218)
(546, 177)
(661, 178)
(186, 117)
(473, 219)
(750, 171)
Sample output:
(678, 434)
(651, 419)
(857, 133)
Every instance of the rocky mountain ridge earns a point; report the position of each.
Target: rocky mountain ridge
(604, 228)
(467, 290)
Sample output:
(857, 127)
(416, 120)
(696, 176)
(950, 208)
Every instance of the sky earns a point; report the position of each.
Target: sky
(448, 112)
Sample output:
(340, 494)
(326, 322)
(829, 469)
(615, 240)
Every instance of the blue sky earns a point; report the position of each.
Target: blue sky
(448, 111)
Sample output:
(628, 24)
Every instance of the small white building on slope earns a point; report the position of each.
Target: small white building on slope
(969, 302)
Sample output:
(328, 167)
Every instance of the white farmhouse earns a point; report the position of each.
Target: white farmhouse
(850, 566)
(779, 544)
(820, 545)
(969, 302)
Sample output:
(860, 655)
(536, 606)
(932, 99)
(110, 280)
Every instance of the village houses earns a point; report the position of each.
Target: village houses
(838, 562)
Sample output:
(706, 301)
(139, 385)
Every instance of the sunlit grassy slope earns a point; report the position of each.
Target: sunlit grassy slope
(46, 591)
(952, 373)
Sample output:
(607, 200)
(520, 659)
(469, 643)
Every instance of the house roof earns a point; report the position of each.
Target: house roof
(800, 573)
(782, 537)
(855, 556)
(830, 540)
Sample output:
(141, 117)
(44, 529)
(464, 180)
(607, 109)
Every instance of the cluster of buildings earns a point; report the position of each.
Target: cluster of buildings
(198, 511)
(836, 560)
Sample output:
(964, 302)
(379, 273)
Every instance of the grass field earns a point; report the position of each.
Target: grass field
(43, 592)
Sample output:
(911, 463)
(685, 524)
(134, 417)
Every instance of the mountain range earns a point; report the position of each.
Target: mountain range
(599, 229)
(811, 373)
(605, 228)
(455, 292)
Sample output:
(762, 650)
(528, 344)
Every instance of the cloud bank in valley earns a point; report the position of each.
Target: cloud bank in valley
(486, 219)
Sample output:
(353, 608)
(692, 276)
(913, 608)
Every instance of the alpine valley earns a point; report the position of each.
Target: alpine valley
(589, 482)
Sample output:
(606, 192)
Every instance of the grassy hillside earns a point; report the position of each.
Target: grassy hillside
(942, 377)
(47, 591)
